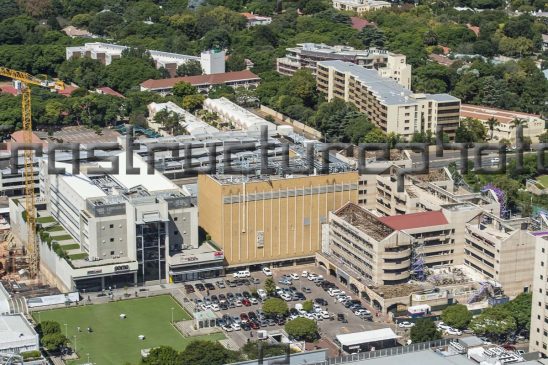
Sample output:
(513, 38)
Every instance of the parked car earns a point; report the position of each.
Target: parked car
(325, 314)
(406, 324)
(200, 287)
(284, 281)
(236, 327)
(215, 307)
(453, 331)
(286, 297)
(304, 274)
(442, 326)
(295, 276)
(242, 274)
(306, 290)
(227, 328)
(267, 271)
(253, 300)
(209, 286)
(320, 301)
(220, 284)
(244, 317)
(246, 302)
(262, 293)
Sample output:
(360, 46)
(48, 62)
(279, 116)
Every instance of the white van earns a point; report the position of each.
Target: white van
(333, 291)
(242, 274)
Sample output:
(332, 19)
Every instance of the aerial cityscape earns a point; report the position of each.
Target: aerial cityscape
(260, 182)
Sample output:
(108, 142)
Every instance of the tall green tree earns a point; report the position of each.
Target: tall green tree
(457, 316)
(302, 329)
(162, 355)
(207, 353)
(275, 306)
(424, 330)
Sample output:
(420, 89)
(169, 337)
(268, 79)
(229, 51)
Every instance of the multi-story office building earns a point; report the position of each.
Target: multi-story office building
(360, 6)
(538, 338)
(392, 107)
(211, 61)
(307, 55)
(380, 254)
(501, 250)
(260, 221)
(125, 228)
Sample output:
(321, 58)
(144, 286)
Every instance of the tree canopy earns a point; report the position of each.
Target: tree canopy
(275, 306)
(302, 329)
(457, 316)
(424, 330)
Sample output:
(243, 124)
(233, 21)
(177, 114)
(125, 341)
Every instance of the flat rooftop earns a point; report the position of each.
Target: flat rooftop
(15, 328)
(365, 221)
(483, 112)
(415, 220)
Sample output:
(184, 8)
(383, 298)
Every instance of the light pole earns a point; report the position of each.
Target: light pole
(88, 357)
(172, 314)
(75, 348)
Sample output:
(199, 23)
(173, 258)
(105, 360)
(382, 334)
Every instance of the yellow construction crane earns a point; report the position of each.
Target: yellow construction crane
(27, 80)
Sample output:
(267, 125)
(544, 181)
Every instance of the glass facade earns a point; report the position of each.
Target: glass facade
(151, 251)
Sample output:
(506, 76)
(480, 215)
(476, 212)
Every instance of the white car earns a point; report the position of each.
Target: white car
(304, 274)
(325, 315)
(361, 312)
(267, 271)
(262, 293)
(253, 300)
(227, 328)
(312, 276)
(235, 326)
(318, 316)
(332, 292)
(442, 326)
(295, 276)
(286, 297)
(238, 303)
(453, 331)
(309, 316)
(343, 298)
(215, 307)
(406, 324)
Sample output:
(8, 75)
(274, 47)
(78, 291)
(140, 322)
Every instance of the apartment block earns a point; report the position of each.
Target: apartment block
(392, 107)
(538, 337)
(307, 55)
(360, 6)
(259, 221)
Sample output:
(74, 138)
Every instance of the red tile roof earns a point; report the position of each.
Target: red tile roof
(474, 29)
(67, 90)
(414, 220)
(8, 90)
(213, 79)
(359, 23)
(108, 91)
(483, 112)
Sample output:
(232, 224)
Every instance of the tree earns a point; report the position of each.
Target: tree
(302, 329)
(193, 102)
(189, 68)
(251, 350)
(471, 130)
(182, 89)
(303, 86)
(269, 286)
(207, 353)
(162, 355)
(48, 327)
(53, 341)
(520, 309)
(105, 23)
(236, 62)
(308, 306)
(129, 71)
(492, 123)
(275, 306)
(372, 37)
(424, 330)
(494, 322)
(36, 8)
(457, 316)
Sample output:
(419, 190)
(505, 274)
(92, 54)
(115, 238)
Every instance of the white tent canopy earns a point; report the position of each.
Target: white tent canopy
(358, 338)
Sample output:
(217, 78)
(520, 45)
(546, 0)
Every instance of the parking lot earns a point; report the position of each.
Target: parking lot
(341, 320)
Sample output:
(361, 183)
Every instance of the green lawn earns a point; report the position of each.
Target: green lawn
(113, 340)
(543, 180)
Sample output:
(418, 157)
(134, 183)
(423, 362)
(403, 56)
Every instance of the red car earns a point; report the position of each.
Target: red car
(244, 317)
(254, 325)
(246, 302)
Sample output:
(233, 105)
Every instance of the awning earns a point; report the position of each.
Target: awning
(171, 272)
(359, 338)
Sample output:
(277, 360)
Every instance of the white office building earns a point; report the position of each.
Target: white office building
(211, 61)
(17, 334)
(360, 6)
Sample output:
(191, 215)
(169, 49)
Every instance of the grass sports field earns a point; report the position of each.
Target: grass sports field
(114, 341)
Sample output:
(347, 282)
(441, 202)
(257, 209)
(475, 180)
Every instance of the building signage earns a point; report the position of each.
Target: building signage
(92, 272)
(121, 268)
(219, 254)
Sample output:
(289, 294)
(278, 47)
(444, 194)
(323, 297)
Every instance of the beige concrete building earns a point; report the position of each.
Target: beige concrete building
(259, 221)
(392, 107)
(538, 338)
(307, 55)
(501, 250)
(534, 125)
(360, 6)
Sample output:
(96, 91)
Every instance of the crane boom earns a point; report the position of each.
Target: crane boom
(30, 203)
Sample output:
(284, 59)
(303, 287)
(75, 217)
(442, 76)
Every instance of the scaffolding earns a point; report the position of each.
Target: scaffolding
(417, 262)
(486, 290)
